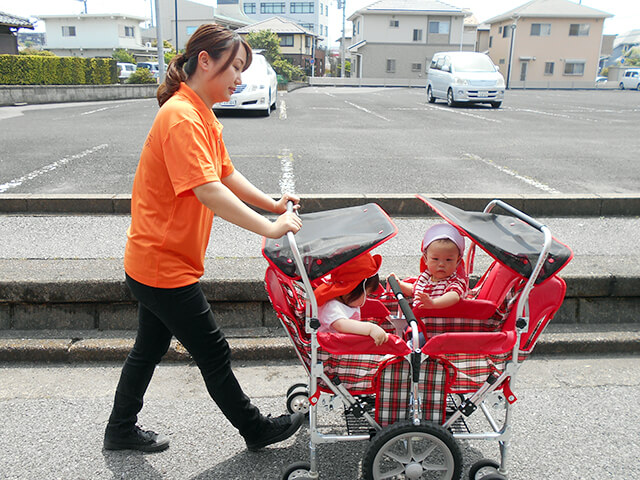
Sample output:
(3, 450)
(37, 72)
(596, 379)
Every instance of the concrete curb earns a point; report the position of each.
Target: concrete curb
(278, 348)
(394, 204)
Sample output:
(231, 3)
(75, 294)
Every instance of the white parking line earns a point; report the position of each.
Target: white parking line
(368, 111)
(466, 114)
(508, 171)
(98, 110)
(16, 182)
(283, 110)
(287, 180)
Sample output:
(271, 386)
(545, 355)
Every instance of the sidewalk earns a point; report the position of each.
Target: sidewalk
(62, 295)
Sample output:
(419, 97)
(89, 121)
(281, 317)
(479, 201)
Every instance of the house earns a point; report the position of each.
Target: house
(9, 25)
(621, 45)
(397, 38)
(297, 45)
(93, 35)
(547, 43)
(190, 15)
(312, 15)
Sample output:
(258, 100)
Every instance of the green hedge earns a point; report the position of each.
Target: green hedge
(40, 70)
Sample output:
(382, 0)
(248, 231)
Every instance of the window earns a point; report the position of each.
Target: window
(416, 67)
(490, 41)
(417, 35)
(540, 29)
(439, 27)
(579, 29)
(190, 30)
(307, 42)
(501, 61)
(286, 40)
(506, 31)
(308, 26)
(302, 7)
(272, 7)
(391, 65)
(68, 31)
(548, 68)
(574, 67)
(500, 29)
(394, 23)
(129, 32)
(249, 8)
(326, 10)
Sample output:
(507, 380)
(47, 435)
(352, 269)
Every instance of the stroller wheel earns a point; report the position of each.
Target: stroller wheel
(296, 386)
(298, 401)
(297, 471)
(484, 469)
(413, 452)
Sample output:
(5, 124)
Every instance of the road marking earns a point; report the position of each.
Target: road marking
(283, 110)
(508, 171)
(16, 182)
(368, 111)
(98, 110)
(540, 112)
(287, 180)
(466, 114)
(330, 94)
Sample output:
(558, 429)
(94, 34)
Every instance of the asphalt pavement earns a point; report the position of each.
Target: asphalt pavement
(574, 419)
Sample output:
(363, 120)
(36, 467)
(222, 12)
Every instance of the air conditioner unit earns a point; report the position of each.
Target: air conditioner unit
(148, 45)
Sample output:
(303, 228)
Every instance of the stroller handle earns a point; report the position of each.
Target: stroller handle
(402, 302)
(515, 212)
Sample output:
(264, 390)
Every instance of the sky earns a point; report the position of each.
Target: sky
(626, 12)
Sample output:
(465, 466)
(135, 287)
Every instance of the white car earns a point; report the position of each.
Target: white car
(464, 77)
(125, 70)
(631, 79)
(258, 90)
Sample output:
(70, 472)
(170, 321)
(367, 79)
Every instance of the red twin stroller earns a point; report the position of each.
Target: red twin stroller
(410, 401)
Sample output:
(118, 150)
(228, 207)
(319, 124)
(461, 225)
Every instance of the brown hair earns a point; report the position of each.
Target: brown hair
(369, 285)
(214, 39)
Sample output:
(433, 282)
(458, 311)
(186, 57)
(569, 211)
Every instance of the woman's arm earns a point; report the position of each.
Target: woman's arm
(249, 193)
(221, 200)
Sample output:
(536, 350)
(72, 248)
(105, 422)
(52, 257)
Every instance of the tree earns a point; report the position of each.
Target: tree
(123, 56)
(169, 50)
(268, 41)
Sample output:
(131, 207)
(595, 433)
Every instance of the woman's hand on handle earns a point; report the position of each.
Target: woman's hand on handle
(287, 222)
(281, 205)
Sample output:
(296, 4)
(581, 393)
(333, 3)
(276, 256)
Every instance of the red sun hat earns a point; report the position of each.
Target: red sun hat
(347, 277)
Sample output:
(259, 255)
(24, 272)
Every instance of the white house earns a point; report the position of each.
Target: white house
(397, 38)
(92, 35)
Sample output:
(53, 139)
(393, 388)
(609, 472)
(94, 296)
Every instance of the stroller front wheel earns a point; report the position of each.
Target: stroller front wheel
(297, 471)
(413, 451)
(483, 468)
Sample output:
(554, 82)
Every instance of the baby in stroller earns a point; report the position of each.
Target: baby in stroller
(340, 298)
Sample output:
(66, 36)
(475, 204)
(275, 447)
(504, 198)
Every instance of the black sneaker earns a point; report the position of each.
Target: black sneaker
(275, 430)
(136, 439)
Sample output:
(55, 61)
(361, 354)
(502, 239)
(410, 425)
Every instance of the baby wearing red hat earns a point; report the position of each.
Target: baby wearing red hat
(340, 298)
(442, 282)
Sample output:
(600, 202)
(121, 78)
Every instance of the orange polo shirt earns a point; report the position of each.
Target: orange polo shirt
(170, 228)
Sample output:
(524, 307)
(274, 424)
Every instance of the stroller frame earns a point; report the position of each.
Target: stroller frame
(333, 394)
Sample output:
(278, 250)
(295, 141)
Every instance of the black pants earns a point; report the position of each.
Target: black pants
(184, 313)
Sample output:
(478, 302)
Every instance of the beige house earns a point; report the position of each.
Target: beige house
(297, 44)
(547, 44)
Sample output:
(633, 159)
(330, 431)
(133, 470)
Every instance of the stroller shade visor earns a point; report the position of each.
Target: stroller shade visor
(509, 240)
(330, 238)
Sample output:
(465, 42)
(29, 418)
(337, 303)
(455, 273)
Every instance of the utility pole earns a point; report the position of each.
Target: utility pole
(176, 10)
(160, 43)
(513, 34)
(342, 4)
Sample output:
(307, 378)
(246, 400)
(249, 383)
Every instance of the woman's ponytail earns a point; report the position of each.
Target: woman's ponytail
(175, 75)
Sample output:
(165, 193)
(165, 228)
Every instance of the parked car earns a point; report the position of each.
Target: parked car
(601, 81)
(258, 90)
(464, 77)
(153, 67)
(631, 79)
(125, 70)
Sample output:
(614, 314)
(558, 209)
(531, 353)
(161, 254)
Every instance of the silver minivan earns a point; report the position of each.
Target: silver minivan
(464, 77)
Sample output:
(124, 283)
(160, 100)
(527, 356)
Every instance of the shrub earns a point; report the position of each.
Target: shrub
(35, 51)
(52, 70)
(290, 72)
(123, 56)
(141, 75)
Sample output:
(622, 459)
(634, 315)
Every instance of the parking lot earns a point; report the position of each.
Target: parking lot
(350, 140)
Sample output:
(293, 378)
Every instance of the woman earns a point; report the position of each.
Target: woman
(184, 176)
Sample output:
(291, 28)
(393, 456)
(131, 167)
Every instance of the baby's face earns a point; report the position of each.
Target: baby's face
(442, 259)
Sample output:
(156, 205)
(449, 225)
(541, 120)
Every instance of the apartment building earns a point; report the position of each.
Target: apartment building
(397, 38)
(311, 15)
(547, 43)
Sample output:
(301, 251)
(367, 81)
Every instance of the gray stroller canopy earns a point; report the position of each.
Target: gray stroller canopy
(331, 238)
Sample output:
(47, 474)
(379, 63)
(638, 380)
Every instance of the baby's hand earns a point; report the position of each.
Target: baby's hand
(423, 299)
(378, 334)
